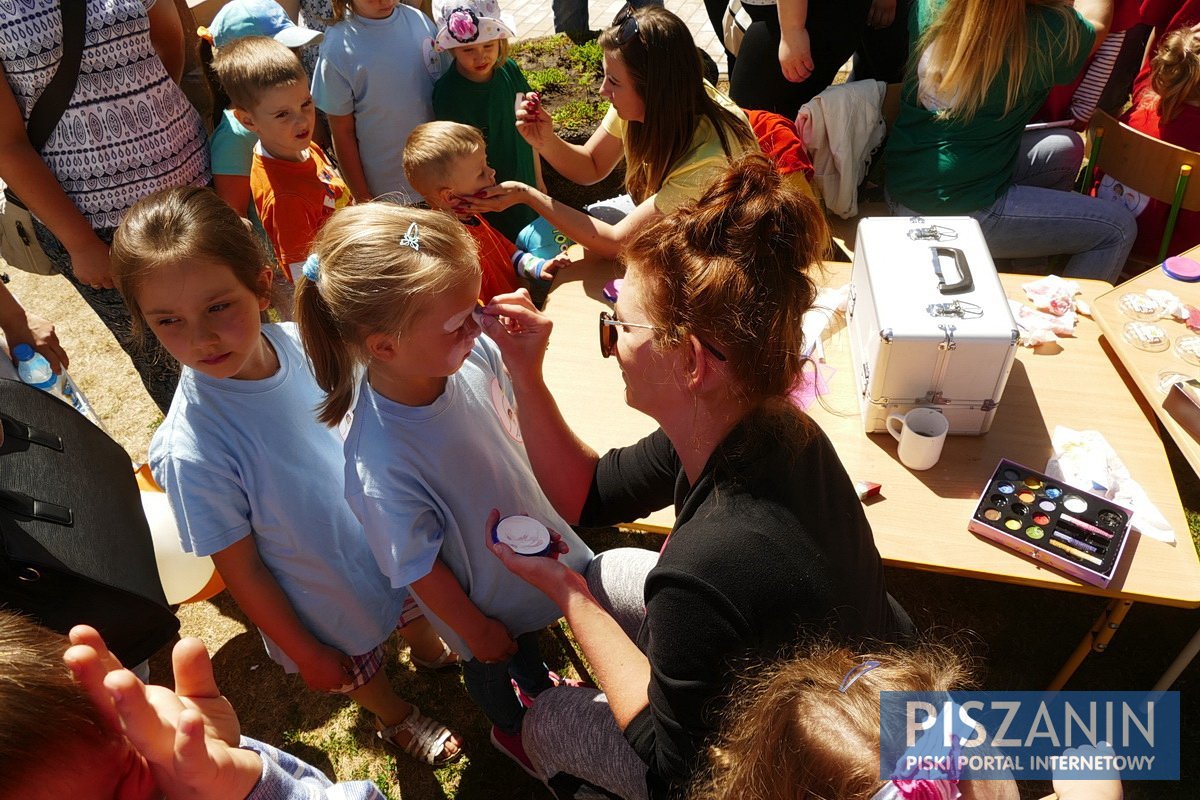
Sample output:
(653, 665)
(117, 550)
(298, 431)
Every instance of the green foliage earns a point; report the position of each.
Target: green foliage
(543, 79)
(588, 58)
(543, 46)
(578, 115)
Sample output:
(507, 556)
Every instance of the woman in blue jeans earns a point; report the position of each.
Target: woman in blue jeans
(979, 70)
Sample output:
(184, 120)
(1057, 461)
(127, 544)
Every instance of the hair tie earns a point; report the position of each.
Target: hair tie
(312, 268)
(205, 34)
(412, 237)
(856, 673)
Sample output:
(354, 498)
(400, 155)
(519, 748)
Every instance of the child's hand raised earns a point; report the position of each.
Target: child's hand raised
(165, 729)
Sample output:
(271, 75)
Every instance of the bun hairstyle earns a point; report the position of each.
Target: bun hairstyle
(371, 281)
(733, 268)
(1175, 72)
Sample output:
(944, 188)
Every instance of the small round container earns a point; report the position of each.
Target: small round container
(1187, 347)
(1182, 269)
(1146, 336)
(1136, 305)
(1169, 377)
(525, 535)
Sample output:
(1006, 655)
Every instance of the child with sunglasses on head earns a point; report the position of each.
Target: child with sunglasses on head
(432, 445)
(446, 161)
(482, 89)
(253, 480)
(374, 81)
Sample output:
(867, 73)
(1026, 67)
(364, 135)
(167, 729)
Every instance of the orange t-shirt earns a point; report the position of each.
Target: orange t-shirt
(293, 200)
(495, 257)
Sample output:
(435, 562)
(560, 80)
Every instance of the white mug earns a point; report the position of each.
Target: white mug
(921, 434)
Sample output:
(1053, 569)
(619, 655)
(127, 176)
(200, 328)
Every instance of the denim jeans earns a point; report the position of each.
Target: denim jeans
(1041, 216)
(490, 685)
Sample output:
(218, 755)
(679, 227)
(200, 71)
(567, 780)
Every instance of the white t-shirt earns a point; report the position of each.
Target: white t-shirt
(128, 130)
(422, 479)
(239, 458)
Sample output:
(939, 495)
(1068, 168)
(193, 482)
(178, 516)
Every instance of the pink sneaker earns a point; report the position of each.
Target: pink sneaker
(510, 744)
(555, 679)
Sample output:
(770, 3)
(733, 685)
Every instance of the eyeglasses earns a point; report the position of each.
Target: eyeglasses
(608, 335)
(626, 24)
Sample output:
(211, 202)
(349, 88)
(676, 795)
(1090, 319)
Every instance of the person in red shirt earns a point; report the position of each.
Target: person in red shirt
(447, 161)
(1167, 109)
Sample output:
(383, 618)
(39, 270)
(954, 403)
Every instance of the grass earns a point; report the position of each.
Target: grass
(543, 80)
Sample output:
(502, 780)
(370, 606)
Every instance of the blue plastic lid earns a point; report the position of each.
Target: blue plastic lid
(22, 352)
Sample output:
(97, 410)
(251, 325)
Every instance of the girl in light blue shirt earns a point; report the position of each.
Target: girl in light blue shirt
(253, 480)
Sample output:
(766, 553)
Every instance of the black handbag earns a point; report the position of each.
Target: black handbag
(75, 546)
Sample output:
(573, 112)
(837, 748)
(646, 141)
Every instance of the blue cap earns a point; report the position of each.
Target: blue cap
(23, 352)
(241, 18)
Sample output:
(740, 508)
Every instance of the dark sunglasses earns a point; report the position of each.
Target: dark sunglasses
(609, 326)
(626, 24)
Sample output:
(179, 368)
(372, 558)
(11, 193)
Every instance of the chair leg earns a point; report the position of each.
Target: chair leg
(1185, 174)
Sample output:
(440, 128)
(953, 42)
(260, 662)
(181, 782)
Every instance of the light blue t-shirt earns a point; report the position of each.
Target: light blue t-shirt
(422, 479)
(231, 149)
(248, 457)
(375, 69)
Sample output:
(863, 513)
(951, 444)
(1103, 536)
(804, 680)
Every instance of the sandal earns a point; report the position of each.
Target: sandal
(448, 658)
(427, 743)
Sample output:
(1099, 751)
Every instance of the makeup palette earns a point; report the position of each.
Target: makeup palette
(1052, 522)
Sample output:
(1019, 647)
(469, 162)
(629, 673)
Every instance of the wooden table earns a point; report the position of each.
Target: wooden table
(920, 520)
(1143, 368)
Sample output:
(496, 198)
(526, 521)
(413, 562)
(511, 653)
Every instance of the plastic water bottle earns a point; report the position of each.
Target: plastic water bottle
(36, 371)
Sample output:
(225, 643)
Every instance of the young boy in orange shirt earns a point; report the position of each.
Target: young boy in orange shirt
(446, 161)
(294, 186)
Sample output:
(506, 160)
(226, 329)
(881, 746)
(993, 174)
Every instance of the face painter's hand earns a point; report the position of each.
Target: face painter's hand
(494, 198)
(533, 122)
(546, 573)
(520, 331)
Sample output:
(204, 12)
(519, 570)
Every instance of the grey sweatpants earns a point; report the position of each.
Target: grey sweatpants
(570, 734)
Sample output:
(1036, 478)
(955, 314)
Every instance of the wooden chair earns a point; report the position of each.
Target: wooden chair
(1147, 165)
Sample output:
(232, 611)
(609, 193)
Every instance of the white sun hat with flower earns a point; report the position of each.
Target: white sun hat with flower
(463, 22)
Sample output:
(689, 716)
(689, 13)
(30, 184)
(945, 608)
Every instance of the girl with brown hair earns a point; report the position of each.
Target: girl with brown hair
(675, 132)
(770, 541)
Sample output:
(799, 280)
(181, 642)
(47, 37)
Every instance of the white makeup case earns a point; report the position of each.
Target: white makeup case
(929, 321)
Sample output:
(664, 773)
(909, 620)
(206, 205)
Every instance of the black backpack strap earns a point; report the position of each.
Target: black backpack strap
(49, 108)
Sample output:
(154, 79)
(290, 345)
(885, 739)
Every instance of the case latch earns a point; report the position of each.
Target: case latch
(948, 343)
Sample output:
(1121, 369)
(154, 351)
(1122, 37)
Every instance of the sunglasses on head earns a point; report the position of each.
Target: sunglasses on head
(626, 24)
(610, 325)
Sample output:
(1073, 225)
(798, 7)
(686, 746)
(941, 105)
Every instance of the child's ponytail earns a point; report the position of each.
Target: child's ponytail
(333, 362)
(373, 267)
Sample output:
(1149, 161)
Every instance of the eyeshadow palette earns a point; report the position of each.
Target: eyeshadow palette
(1053, 523)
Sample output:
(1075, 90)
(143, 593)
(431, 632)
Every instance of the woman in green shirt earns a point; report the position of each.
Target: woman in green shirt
(979, 70)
